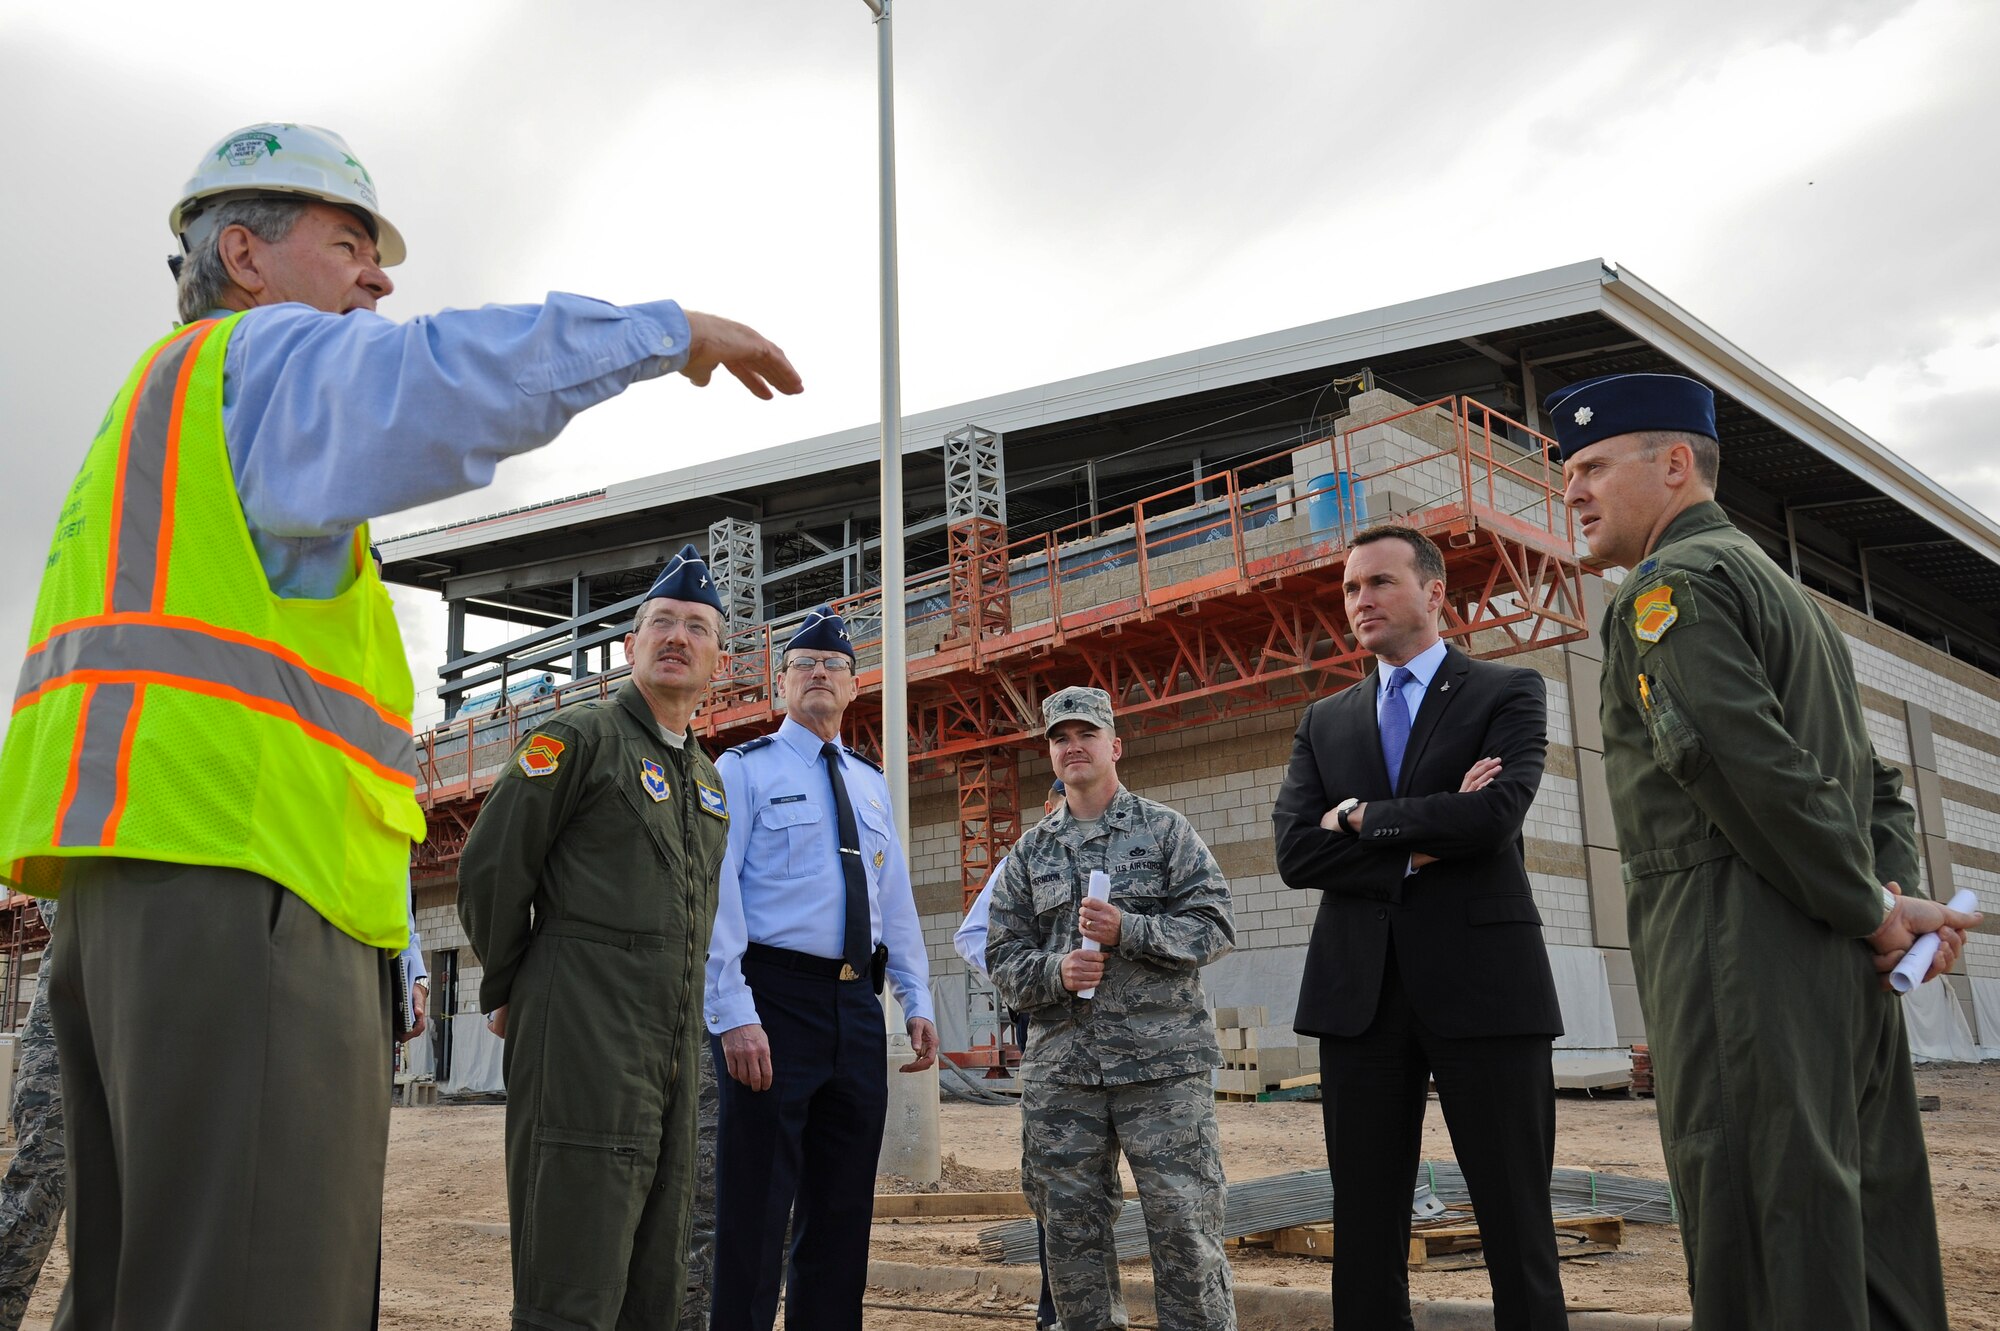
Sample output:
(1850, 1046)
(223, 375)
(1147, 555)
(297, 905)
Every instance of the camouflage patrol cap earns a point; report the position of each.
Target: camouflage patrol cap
(1077, 703)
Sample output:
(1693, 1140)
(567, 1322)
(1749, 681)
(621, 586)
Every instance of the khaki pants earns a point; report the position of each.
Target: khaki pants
(225, 1069)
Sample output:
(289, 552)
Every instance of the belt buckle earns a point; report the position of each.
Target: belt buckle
(848, 972)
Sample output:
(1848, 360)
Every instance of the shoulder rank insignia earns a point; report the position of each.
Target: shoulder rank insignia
(752, 745)
(861, 758)
(540, 755)
(1653, 613)
(711, 799)
(653, 778)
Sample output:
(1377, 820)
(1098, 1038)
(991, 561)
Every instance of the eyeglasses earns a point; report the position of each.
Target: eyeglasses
(698, 629)
(833, 665)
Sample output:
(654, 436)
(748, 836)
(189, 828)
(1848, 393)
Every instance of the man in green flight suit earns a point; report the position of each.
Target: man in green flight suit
(588, 889)
(1766, 851)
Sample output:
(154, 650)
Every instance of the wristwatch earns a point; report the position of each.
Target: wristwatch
(1342, 809)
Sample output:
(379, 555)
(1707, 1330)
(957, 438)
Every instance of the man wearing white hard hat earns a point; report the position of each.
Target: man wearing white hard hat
(210, 759)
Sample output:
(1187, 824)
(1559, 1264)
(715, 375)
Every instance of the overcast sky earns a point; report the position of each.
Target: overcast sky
(1082, 185)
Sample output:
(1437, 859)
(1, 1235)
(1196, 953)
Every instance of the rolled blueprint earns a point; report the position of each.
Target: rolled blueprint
(1100, 890)
(1916, 963)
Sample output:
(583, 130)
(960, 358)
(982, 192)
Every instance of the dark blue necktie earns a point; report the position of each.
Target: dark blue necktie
(1395, 724)
(858, 947)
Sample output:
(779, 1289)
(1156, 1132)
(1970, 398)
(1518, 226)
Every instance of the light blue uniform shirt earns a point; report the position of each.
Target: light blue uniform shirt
(1423, 667)
(781, 879)
(331, 420)
(413, 953)
(970, 940)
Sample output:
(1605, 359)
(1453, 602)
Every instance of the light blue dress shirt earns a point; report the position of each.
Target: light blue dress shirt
(781, 880)
(413, 954)
(970, 940)
(331, 420)
(1423, 667)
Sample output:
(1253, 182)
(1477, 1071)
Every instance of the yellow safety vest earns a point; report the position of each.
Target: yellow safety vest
(173, 707)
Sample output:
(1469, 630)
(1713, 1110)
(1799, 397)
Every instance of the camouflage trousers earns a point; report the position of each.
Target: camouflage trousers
(1070, 1140)
(31, 1194)
(701, 1219)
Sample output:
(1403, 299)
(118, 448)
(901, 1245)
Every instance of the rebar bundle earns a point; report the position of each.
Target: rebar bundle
(1280, 1201)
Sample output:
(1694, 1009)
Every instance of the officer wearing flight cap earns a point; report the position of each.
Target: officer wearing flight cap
(1770, 876)
(815, 910)
(588, 889)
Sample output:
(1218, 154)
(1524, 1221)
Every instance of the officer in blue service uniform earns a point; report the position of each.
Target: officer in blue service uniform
(588, 888)
(815, 908)
(1770, 874)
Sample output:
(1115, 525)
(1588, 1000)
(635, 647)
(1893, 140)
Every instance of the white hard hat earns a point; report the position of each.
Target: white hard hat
(285, 159)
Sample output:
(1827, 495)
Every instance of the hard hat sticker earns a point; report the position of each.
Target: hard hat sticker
(247, 149)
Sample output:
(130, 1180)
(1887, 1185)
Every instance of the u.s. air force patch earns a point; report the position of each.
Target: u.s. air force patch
(711, 799)
(653, 780)
(539, 757)
(1661, 607)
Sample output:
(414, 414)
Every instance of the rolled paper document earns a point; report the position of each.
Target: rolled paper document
(1916, 963)
(1099, 890)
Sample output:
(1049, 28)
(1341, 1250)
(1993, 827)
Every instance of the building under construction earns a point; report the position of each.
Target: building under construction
(1175, 532)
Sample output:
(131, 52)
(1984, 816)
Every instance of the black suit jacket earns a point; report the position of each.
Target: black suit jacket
(1468, 937)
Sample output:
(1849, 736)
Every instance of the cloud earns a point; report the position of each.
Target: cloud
(1081, 187)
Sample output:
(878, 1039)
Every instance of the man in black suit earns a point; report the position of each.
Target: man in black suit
(1403, 805)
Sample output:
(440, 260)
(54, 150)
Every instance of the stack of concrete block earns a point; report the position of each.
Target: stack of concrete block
(1257, 1056)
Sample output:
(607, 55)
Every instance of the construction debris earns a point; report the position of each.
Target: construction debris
(1259, 1058)
(1263, 1206)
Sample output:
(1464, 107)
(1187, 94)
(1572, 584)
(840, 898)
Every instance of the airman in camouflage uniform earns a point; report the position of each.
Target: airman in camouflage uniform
(31, 1194)
(1758, 830)
(1129, 1065)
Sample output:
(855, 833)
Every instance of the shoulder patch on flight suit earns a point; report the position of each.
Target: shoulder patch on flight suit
(711, 799)
(1661, 607)
(539, 758)
(653, 778)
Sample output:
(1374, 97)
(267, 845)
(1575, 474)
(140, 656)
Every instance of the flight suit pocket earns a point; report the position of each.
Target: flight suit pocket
(1677, 747)
(791, 833)
(587, 1188)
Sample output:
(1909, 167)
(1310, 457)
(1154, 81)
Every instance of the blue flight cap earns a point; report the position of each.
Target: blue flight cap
(822, 631)
(1614, 404)
(686, 578)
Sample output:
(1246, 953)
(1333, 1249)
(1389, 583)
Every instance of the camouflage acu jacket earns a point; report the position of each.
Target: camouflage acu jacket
(1149, 1018)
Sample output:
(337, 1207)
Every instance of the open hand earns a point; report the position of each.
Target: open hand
(744, 352)
(747, 1052)
(923, 1043)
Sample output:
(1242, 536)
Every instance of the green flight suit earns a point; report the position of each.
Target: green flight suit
(1755, 822)
(614, 838)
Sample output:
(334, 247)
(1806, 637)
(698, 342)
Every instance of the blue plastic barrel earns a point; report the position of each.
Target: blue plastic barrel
(1336, 501)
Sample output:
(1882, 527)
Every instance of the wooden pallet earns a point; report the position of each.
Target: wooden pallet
(1599, 1233)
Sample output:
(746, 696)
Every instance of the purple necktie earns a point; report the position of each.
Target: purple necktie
(1395, 724)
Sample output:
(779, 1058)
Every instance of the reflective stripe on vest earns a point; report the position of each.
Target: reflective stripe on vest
(115, 655)
(285, 703)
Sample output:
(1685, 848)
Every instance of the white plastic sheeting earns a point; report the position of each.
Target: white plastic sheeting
(1583, 989)
(475, 1057)
(1986, 1013)
(1937, 1025)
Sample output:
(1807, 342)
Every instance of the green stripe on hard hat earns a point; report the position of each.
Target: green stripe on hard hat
(274, 158)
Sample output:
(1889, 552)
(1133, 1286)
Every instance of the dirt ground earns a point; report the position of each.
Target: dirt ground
(445, 1267)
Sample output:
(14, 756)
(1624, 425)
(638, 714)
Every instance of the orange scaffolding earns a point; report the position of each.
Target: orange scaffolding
(1218, 598)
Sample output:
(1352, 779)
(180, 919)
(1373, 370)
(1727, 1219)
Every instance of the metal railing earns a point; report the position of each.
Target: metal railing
(1437, 464)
